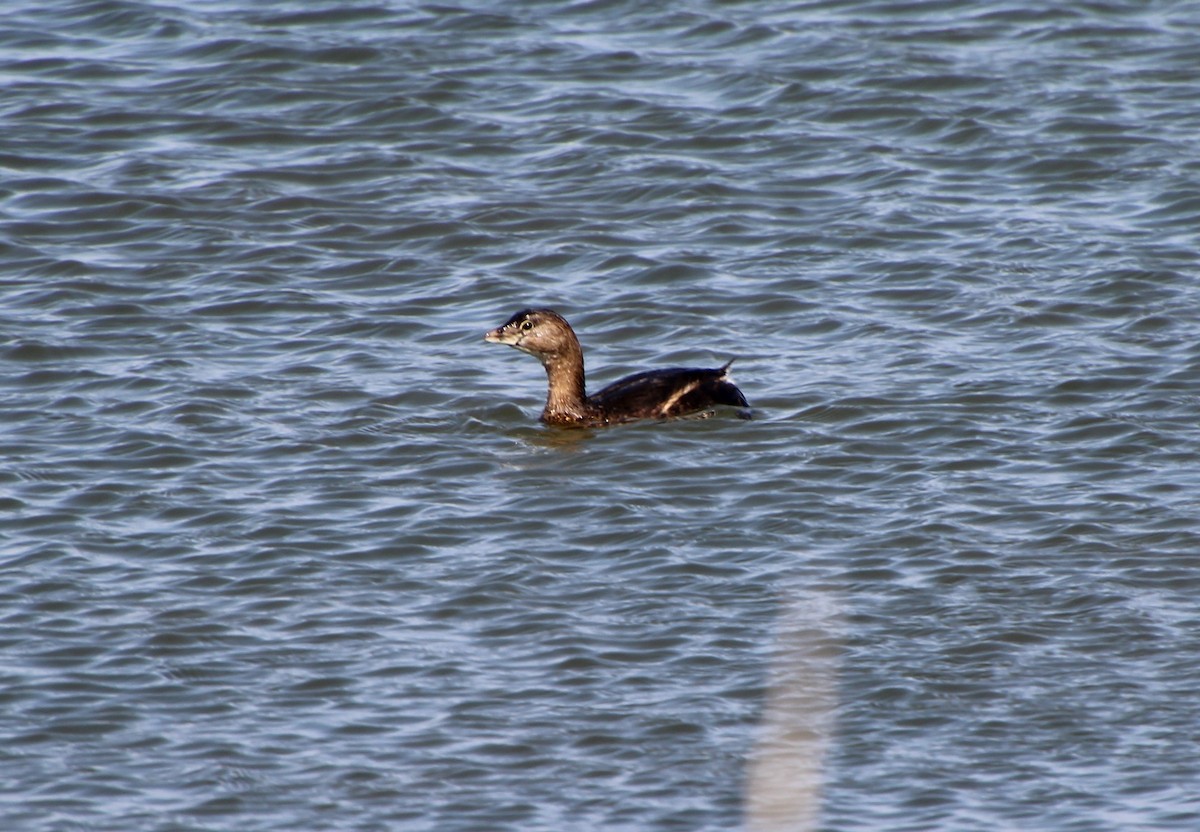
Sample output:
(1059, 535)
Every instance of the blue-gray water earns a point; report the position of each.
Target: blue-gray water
(282, 546)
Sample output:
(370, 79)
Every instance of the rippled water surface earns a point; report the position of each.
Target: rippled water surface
(283, 546)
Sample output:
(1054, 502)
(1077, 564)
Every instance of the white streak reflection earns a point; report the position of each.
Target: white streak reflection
(784, 774)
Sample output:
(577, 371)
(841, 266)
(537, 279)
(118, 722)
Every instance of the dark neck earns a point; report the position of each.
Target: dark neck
(567, 398)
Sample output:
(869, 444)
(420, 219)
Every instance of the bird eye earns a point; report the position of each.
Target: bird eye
(528, 325)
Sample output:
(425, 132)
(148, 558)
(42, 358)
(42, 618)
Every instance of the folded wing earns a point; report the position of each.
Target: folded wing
(665, 393)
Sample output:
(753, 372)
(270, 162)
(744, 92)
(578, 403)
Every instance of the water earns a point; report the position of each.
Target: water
(285, 548)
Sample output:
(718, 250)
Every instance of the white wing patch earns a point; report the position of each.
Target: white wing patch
(665, 408)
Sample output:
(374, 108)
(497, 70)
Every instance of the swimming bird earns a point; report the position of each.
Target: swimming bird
(655, 394)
